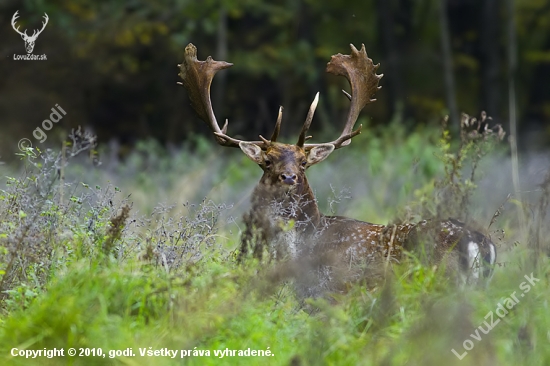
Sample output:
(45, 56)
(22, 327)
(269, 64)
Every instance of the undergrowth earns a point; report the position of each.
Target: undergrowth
(81, 266)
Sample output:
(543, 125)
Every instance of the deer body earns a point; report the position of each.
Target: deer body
(283, 195)
(285, 216)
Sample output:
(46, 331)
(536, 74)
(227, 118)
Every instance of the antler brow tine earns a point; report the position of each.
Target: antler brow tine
(302, 139)
(277, 129)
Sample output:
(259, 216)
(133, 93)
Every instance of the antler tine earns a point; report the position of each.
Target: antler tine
(44, 23)
(277, 129)
(360, 71)
(13, 21)
(302, 139)
(275, 133)
(197, 77)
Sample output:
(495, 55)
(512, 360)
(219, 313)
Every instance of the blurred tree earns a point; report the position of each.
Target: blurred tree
(391, 52)
(111, 64)
(448, 71)
(532, 71)
(490, 47)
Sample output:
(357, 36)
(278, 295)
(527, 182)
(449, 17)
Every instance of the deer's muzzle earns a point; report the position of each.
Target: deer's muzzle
(288, 178)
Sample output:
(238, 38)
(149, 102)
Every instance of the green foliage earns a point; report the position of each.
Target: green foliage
(455, 190)
(35, 224)
(217, 306)
(113, 278)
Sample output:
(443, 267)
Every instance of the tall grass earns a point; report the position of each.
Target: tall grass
(92, 260)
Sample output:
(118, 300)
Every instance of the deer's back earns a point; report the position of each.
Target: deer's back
(362, 240)
(449, 242)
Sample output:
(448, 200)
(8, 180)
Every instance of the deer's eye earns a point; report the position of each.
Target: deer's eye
(267, 163)
(304, 163)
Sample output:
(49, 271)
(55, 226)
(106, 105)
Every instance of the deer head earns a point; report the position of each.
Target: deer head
(29, 40)
(284, 165)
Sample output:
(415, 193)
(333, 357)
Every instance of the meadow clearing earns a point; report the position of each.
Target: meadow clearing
(139, 255)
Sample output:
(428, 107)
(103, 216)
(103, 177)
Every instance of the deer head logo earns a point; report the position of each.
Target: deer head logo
(29, 40)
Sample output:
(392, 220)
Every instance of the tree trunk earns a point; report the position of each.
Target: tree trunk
(512, 66)
(389, 45)
(448, 74)
(221, 54)
(490, 56)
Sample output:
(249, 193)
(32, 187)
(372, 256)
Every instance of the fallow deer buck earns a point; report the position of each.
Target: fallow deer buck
(284, 197)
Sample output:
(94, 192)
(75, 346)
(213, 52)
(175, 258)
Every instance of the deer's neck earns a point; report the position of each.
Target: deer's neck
(297, 203)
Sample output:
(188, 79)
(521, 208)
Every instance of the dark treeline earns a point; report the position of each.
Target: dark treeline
(112, 65)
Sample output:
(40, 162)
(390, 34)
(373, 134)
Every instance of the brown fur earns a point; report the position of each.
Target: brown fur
(285, 220)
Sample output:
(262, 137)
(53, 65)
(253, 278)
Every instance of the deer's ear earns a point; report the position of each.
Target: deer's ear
(253, 151)
(319, 153)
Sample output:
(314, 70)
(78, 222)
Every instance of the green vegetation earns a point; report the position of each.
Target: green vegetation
(89, 260)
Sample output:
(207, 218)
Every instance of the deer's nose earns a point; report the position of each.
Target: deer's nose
(288, 178)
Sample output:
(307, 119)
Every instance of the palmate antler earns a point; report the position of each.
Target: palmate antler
(357, 68)
(360, 71)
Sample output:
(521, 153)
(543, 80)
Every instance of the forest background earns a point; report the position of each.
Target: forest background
(112, 65)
